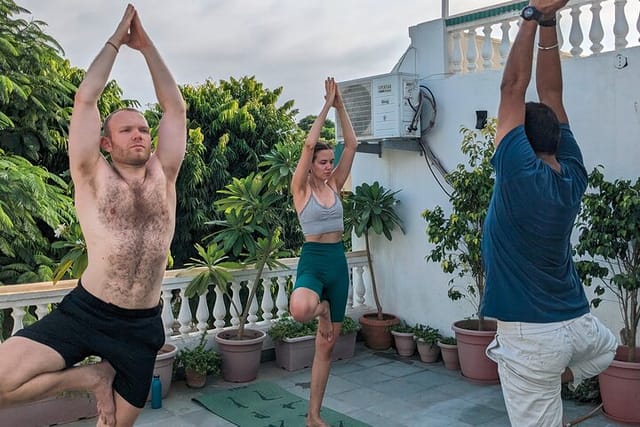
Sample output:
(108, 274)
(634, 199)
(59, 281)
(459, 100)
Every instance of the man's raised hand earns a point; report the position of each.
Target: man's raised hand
(121, 35)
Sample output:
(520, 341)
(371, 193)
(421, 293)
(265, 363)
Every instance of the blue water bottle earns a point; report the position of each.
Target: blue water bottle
(156, 392)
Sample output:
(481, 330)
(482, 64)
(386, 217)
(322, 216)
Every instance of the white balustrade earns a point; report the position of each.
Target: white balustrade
(35, 298)
(481, 39)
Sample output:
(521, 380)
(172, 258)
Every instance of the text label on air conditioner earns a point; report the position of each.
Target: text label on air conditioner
(384, 88)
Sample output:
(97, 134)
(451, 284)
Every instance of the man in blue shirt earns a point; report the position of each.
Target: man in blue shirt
(546, 334)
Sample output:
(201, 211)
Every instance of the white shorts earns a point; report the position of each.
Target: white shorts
(531, 358)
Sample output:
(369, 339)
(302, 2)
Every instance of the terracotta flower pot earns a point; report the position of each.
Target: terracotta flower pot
(429, 353)
(240, 358)
(405, 343)
(472, 344)
(450, 356)
(620, 388)
(376, 333)
(194, 379)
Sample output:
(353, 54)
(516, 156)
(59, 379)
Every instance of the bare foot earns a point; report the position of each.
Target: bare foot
(103, 390)
(325, 327)
(316, 422)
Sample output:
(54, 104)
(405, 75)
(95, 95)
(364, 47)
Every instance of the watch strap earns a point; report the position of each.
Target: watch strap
(548, 22)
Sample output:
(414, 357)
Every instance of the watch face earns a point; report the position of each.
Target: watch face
(527, 13)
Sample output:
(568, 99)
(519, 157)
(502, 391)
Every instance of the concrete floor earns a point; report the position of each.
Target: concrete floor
(379, 388)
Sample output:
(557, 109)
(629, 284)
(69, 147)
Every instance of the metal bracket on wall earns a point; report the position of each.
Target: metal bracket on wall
(377, 146)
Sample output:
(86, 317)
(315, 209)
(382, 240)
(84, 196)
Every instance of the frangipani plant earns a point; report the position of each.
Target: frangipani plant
(371, 209)
(251, 230)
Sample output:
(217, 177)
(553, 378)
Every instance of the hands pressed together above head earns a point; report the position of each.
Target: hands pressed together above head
(130, 31)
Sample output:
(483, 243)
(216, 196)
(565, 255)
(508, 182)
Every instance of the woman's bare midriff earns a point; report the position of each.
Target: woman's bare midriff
(332, 237)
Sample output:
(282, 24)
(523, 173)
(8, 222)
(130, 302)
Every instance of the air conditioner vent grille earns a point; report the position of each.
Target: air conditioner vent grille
(357, 101)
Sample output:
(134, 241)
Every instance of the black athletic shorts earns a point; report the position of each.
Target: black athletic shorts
(83, 325)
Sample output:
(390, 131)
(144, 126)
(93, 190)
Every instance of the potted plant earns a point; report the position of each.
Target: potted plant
(457, 247)
(449, 349)
(345, 345)
(427, 343)
(609, 225)
(198, 362)
(253, 210)
(371, 208)
(294, 342)
(404, 339)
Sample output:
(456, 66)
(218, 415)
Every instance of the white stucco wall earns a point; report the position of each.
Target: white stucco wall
(603, 105)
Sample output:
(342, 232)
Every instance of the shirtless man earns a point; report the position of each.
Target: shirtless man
(127, 212)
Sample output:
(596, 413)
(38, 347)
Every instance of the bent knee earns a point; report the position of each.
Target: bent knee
(302, 310)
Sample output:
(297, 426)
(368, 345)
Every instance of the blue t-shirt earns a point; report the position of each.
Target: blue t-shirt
(526, 240)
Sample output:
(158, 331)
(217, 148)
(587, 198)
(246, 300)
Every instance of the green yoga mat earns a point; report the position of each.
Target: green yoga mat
(266, 404)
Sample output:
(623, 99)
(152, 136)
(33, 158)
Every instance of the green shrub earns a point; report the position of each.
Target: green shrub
(427, 334)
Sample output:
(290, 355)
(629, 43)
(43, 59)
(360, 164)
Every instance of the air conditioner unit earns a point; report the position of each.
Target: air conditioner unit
(381, 107)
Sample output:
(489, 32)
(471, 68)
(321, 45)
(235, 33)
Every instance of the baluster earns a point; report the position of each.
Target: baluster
(350, 294)
(596, 33)
(235, 296)
(252, 316)
(575, 36)
(620, 26)
(184, 315)
(167, 314)
(219, 309)
(18, 314)
(456, 52)
(559, 35)
(505, 44)
(638, 25)
(281, 298)
(202, 312)
(472, 50)
(358, 285)
(487, 48)
(42, 310)
(267, 300)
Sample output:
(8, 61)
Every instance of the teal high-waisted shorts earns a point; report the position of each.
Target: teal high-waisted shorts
(323, 269)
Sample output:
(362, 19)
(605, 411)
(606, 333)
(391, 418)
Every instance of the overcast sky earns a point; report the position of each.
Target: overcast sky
(289, 43)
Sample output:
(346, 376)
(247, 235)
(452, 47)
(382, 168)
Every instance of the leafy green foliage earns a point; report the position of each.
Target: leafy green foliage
(328, 131)
(402, 327)
(609, 225)
(233, 124)
(76, 259)
(253, 212)
(457, 238)
(448, 340)
(215, 271)
(371, 208)
(36, 203)
(201, 359)
(427, 334)
(287, 327)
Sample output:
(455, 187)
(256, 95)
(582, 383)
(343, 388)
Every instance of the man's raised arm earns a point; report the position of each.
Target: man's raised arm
(172, 131)
(84, 129)
(515, 79)
(548, 69)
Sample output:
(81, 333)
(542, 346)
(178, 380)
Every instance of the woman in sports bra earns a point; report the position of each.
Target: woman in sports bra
(322, 280)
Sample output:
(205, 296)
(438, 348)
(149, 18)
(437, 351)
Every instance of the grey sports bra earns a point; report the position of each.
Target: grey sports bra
(317, 219)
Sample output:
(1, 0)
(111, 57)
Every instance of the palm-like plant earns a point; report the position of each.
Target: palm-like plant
(371, 208)
(251, 229)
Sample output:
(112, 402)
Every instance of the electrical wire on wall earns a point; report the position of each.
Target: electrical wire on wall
(432, 161)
